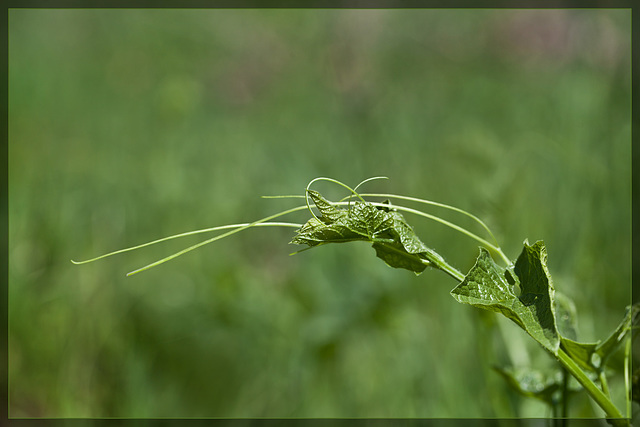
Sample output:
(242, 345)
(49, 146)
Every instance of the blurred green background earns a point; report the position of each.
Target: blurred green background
(130, 125)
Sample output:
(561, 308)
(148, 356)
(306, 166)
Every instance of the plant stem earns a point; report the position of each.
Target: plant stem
(627, 374)
(447, 268)
(598, 396)
(604, 384)
(434, 261)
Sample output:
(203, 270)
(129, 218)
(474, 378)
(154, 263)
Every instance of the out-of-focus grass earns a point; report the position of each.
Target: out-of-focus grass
(129, 125)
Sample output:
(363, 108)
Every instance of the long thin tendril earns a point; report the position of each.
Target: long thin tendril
(189, 233)
(335, 181)
(213, 239)
(493, 246)
(237, 228)
(442, 205)
(363, 182)
(265, 222)
(448, 224)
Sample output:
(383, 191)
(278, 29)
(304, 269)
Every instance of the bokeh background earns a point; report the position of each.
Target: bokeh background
(130, 125)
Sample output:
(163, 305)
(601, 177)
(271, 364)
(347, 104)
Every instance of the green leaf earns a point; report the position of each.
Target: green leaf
(594, 356)
(583, 354)
(396, 256)
(315, 232)
(403, 231)
(537, 290)
(491, 287)
(369, 221)
(611, 344)
(329, 212)
(405, 250)
(392, 237)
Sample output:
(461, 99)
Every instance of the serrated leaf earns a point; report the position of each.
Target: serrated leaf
(491, 287)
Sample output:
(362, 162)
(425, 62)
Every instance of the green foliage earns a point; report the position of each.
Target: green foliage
(594, 356)
(177, 121)
(392, 238)
(523, 292)
(492, 287)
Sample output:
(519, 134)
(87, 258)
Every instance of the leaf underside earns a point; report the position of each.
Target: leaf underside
(392, 237)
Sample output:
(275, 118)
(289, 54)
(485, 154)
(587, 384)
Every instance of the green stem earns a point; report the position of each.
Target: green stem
(627, 374)
(447, 268)
(554, 415)
(605, 385)
(596, 394)
(434, 261)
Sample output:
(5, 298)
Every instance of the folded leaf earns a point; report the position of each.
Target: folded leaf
(392, 237)
(329, 212)
(396, 256)
(491, 287)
